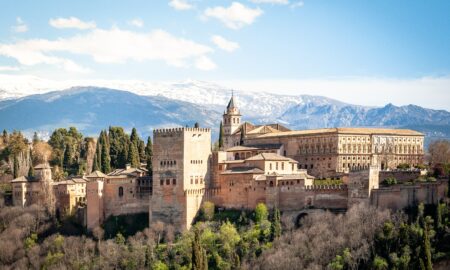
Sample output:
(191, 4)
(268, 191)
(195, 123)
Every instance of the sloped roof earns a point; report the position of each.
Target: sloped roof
(271, 156)
(241, 148)
(42, 166)
(231, 103)
(96, 174)
(130, 171)
(263, 129)
(238, 170)
(24, 179)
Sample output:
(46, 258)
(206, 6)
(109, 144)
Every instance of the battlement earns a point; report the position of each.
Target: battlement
(326, 187)
(164, 131)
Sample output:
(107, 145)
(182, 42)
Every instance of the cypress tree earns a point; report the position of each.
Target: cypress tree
(134, 137)
(97, 157)
(199, 259)
(427, 246)
(221, 136)
(141, 150)
(133, 156)
(67, 158)
(276, 224)
(196, 125)
(5, 136)
(105, 158)
(16, 167)
(241, 141)
(31, 171)
(35, 138)
(149, 155)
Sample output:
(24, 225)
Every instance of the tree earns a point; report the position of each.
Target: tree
(133, 156)
(261, 213)
(276, 224)
(196, 125)
(149, 155)
(379, 263)
(35, 138)
(105, 158)
(41, 152)
(16, 167)
(141, 150)
(199, 258)
(221, 135)
(31, 171)
(241, 140)
(208, 210)
(427, 245)
(67, 160)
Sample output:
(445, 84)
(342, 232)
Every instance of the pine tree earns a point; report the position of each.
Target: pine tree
(199, 258)
(221, 135)
(16, 167)
(149, 155)
(133, 156)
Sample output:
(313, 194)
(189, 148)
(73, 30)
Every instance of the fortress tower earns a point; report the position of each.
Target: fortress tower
(231, 123)
(181, 172)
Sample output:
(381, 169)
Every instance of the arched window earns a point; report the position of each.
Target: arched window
(120, 191)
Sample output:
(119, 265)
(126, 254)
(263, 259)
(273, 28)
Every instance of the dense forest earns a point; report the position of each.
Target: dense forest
(361, 238)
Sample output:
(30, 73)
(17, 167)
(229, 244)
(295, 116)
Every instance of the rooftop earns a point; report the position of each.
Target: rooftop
(96, 174)
(271, 157)
(345, 130)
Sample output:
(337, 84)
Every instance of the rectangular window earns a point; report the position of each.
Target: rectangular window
(276, 165)
(174, 181)
(167, 181)
(161, 182)
(282, 165)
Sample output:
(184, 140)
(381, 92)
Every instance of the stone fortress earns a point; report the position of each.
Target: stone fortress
(268, 164)
(277, 166)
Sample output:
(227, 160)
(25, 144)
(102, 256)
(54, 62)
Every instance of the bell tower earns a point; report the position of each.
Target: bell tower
(231, 118)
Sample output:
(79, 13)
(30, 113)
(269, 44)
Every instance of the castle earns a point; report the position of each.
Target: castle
(268, 164)
(277, 166)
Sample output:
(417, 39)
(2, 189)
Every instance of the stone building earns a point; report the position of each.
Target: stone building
(181, 174)
(123, 191)
(278, 166)
(69, 194)
(326, 152)
(34, 190)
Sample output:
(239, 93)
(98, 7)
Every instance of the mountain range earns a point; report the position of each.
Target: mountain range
(147, 106)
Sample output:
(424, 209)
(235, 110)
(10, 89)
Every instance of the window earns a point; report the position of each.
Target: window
(120, 191)
(270, 166)
(174, 181)
(276, 165)
(282, 165)
(167, 181)
(161, 182)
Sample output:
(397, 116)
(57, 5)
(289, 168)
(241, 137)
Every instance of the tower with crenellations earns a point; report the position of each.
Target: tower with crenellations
(181, 173)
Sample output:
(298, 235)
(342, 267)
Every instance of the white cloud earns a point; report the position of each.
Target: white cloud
(180, 5)
(136, 22)
(20, 26)
(235, 16)
(277, 2)
(204, 63)
(9, 68)
(111, 46)
(71, 22)
(297, 4)
(224, 44)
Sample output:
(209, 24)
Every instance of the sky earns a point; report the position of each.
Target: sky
(362, 52)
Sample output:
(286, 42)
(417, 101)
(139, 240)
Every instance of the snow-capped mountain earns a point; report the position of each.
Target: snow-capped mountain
(164, 103)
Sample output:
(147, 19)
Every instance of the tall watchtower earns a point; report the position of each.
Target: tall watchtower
(181, 172)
